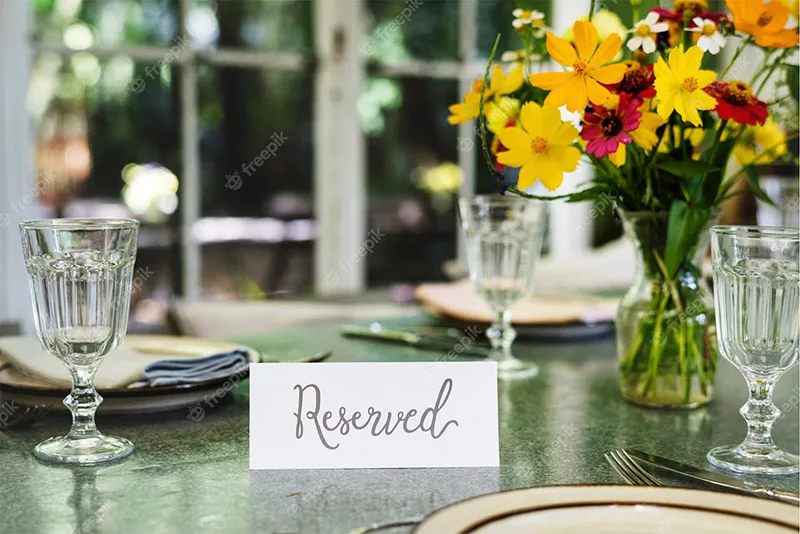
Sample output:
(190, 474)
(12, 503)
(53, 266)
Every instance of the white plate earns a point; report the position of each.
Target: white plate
(612, 510)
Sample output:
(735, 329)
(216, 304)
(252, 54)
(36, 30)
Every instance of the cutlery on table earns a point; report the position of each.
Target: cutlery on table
(627, 461)
(441, 343)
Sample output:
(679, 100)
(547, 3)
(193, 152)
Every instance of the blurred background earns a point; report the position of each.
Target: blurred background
(262, 143)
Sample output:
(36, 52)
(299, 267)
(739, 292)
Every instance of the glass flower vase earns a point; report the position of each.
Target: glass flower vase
(666, 333)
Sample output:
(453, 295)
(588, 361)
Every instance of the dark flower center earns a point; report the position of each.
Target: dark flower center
(764, 19)
(611, 126)
(737, 93)
(634, 81)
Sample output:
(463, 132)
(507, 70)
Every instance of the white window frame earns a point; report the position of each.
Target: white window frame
(339, 167)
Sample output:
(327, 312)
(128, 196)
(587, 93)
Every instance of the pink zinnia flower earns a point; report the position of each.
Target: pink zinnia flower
(605, 127)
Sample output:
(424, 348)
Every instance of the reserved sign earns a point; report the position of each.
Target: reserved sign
(360, 415)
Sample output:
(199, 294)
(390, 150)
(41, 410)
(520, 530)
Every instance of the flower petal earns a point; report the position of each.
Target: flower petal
(585, 38)
(529, 174)
(596, 93)
(565, 134)
(693, 58)
(634, 43)
(607, 50)
(779, 16)
(609, 74)
(705, 77)
(515, 158)
(561, 50)
(550, 80)
(648, 45)
(514, 138)
(572, 94)
(530, 117)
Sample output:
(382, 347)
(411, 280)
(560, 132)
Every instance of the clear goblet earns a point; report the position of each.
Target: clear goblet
(80, 278)
(757, 294)
(503, 240)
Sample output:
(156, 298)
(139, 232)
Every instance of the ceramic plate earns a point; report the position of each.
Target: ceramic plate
(612, 510)
(16, 388)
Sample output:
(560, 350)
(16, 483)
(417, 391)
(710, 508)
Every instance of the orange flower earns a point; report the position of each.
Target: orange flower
(576, 88)
(764, 21)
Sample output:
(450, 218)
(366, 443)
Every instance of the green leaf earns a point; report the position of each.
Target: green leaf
(686, 168)
(686, 221)
(755, 186)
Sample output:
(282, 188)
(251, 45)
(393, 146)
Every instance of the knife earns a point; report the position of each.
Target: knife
(378, 333)
(713, 480)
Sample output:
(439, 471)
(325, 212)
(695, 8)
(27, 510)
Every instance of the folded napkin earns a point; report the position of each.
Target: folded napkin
(140, 361)
(189, 371)
(459, 300)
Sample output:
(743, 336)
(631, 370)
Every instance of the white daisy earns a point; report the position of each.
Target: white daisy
(643, 32)
(711, 40)
(523, 17)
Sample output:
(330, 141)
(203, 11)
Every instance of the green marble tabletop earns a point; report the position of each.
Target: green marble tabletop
(189, 473)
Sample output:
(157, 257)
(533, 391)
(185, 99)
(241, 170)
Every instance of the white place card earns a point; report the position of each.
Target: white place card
(371, 415)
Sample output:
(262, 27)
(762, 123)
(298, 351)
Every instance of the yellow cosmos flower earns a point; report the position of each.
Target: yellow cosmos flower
(759, 145)
(576, 88)
(542, 147)
(465, 111)
(679, 85)
(499, 85)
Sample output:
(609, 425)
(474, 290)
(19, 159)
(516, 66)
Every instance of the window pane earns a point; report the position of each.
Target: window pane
(402, 29)
(276, 25)
(256, 165)
(79, 24)
(413, 177)
(106, 150)
(494, 17)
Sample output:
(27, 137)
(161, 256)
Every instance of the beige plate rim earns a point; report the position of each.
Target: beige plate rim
(152, 342)
(465, 516)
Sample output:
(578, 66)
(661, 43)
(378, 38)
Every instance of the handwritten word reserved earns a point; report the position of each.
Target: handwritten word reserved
(376, 422)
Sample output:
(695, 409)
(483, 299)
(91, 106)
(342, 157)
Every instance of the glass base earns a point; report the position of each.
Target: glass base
(84, 451)
(514, 369)
(734, 458)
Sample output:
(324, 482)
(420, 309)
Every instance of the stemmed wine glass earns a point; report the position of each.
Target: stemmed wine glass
(757, 295)
(80, 278)
(504, 240)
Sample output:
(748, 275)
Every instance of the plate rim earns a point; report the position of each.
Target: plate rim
(254, 356)
(424, 527)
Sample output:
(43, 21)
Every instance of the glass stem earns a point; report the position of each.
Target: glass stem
(83, 401)
(501, 334)
(760, 413)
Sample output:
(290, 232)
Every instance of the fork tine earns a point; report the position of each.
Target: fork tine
(641, 470)
(635, 469)
(633, 473)
(620, 469)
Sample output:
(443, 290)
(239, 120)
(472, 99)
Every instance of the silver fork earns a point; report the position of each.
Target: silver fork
(629, 469)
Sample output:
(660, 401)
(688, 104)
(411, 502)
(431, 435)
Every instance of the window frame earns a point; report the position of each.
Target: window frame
(340, 156)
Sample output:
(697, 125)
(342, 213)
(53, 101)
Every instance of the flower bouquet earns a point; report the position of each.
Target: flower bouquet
(646, 108)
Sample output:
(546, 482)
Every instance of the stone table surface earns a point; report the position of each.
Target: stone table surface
(189, 473)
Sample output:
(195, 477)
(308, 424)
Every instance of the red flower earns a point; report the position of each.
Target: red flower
(736, 101)
(638, 81)
(606, 127)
